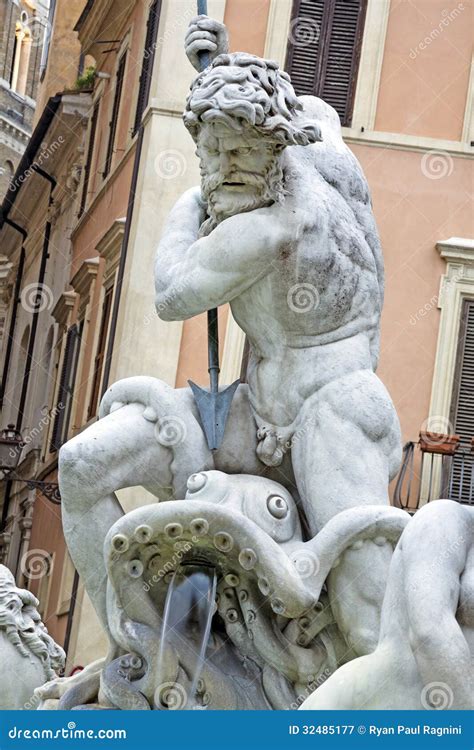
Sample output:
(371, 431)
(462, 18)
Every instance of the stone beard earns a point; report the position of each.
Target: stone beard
(21, 623)
(242, 112)
(269, 188)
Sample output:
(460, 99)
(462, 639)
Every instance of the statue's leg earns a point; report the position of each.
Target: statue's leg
(434, 557)
(348, 450)
(124, 449)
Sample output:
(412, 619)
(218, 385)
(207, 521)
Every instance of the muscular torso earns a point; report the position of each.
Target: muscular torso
(313, 318)
(303, 278)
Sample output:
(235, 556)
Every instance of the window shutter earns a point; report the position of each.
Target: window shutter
(462, 409)
(115, 114)
(303, 55)
(147, 63)
(66, 387)
(324, 50)
(99, 359)
(90, 152)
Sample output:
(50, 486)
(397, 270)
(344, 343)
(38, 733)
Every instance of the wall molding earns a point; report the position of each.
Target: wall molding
(370, 66)
(278, 23)
(233, 351)
(404, 142)
(468, 125)
(456, 285)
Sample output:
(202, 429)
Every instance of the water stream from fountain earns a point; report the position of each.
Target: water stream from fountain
(187, 617)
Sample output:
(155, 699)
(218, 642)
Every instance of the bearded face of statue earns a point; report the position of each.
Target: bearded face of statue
(240, 170)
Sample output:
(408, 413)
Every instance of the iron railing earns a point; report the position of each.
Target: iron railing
(435, 467)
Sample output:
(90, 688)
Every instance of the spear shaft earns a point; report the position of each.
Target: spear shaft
(213, 406)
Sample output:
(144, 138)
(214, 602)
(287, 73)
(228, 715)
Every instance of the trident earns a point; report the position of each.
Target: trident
(213, 405)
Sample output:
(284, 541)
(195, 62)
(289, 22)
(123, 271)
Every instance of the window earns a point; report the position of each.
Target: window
(462, 406)
(324, 50)
(45, 579)
(115, 114)
(21, 56)
(66, 586)
(66, 387)
(147, 63)
(47, 39)
(88, 164)
(99, 358)
(8, 169)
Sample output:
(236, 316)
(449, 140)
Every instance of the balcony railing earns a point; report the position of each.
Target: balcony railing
(437, 466)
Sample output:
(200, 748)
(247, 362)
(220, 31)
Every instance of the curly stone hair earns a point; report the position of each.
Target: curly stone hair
(241, 90)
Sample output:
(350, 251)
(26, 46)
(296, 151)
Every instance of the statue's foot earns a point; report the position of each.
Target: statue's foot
(65, 693)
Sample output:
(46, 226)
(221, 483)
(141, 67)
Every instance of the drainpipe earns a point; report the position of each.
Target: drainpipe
(23, 169)
(32, 339)
(8, 352)
(16, 302)
(41, 277)
(127, 228)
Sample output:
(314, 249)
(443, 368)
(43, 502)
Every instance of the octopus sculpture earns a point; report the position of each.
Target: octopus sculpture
(273, 639)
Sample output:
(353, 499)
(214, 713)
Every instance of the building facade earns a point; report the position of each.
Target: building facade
(400, 75)
(22, 43)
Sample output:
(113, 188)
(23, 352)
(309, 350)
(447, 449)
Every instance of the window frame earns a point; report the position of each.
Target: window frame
(120, 76)
(146, 71)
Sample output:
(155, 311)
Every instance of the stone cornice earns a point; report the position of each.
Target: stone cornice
(13, 129)
(62, 311)
(109, 247)
(404, 142)
(83, 278)
(457, 249)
